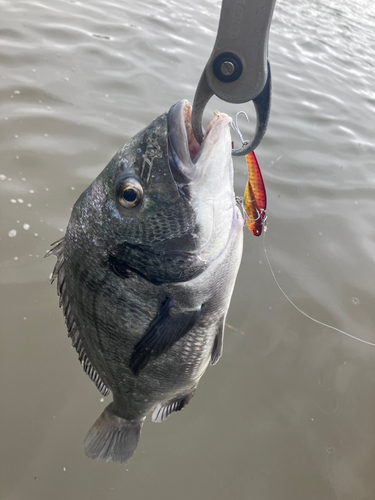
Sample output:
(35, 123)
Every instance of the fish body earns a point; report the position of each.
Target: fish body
(255, 199)
(146, 271)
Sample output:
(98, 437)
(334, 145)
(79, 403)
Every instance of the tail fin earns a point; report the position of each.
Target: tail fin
(112, 437)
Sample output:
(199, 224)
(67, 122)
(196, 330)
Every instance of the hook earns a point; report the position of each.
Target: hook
(236, 128)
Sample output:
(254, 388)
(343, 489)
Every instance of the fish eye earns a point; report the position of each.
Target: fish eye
(130, 193)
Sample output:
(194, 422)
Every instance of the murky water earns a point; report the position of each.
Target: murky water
(289, 411)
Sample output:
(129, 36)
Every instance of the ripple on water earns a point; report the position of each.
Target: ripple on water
(90, 75)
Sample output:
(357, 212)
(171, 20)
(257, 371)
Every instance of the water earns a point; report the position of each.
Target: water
(288, 413)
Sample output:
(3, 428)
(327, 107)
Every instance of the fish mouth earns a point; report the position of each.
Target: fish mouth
(184, 150)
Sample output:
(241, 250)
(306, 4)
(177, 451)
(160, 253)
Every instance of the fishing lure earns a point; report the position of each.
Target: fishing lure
(255, 198)
(254, 202)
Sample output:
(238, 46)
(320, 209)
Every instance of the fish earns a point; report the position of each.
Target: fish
(145, 273)
(255, 198)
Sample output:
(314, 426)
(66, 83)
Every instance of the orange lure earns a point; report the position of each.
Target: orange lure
(255, 199)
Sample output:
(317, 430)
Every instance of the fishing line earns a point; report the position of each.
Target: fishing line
(263, 216)
(300, 310)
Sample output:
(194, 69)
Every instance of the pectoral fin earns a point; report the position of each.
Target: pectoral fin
(217, 348)
(163, 332)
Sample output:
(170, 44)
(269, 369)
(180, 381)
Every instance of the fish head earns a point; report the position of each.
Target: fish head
(163, 206)
(206, 173)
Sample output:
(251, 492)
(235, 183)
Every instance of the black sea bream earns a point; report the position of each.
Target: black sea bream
(146, 270)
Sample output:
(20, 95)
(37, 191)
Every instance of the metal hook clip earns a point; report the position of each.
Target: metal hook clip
(238, 70)
(262, 104)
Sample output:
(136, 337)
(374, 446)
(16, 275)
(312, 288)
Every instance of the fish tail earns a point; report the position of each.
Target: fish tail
(112, 437)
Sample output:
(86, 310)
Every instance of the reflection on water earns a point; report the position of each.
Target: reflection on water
(289, 412)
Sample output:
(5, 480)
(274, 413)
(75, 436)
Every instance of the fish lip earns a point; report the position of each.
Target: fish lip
(183, 149)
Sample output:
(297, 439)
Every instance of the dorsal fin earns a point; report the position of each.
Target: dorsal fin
(71, 324)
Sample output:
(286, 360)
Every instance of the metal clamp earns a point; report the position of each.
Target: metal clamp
(238, 70)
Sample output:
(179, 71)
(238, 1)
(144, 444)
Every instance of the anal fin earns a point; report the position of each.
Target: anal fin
(163, 411)
(162, 333)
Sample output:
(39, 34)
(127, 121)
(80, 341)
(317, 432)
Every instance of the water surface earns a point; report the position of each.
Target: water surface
(289, 411)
